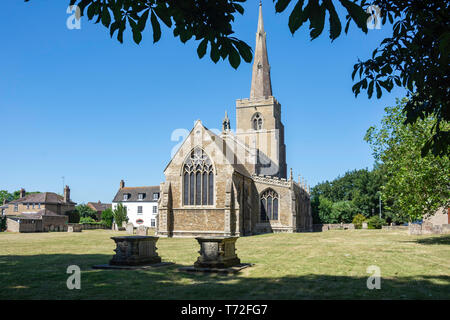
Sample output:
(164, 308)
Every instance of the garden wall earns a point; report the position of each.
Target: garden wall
(92, 226)
(428, 228)
(333, 226)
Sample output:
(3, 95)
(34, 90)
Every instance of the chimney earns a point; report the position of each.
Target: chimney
(122, 184)
(22, 192)
(66, 194)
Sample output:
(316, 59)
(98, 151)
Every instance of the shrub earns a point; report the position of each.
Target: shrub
(74, 216)
(85, 211)
(107, 218)
(87, 220)
(358, 220)
(375, 222)
(120, 215)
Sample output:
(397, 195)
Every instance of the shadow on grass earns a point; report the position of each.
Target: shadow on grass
(45, 277)
(434, 240)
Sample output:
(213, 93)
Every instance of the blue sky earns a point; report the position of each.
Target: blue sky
(78, 104)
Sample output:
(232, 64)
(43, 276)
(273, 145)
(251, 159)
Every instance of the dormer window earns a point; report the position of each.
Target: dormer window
(156, 196)
(141, 196)
(126, 196)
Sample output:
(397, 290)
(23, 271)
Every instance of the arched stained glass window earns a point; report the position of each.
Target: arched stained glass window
(269, 205)
(198, 179)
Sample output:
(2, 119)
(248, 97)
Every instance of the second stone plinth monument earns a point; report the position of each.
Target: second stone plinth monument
(217, 252)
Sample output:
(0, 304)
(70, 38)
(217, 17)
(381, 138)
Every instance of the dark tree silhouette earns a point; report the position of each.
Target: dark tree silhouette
(416, 57)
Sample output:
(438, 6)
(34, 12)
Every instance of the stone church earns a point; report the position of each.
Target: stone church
(235, 183)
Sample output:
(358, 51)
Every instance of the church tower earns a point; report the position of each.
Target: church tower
(258, 119)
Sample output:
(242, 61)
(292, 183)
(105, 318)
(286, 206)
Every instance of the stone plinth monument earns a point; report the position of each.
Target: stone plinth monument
(134, 252)
(217, 252)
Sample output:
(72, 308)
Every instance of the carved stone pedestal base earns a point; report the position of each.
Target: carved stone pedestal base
(217, 252)
(135, 251)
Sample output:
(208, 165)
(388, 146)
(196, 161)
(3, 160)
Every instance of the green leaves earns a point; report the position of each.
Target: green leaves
(315, 13)
(234, 57)
(156, 28)
(335, 23)
(416, 183)
(281, 5)
(357, 13)
(106, 18)
(298, 16)
(201, 49)
(317, 18)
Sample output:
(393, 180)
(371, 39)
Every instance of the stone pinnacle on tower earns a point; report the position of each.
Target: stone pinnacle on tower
(261, 84)
(226, 123)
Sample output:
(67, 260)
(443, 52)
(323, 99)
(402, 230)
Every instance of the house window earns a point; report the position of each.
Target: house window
(269, 205)
(16, 208)
(155, 209)
(39, 205)
(141, 196)
(257, 121)
(153, 222)
(33, 206)
(28, 206)
(198, 179)
(156, 196)
(139, 209)
(125, 196)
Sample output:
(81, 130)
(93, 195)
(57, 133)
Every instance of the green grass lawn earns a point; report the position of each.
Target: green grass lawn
(325, 265)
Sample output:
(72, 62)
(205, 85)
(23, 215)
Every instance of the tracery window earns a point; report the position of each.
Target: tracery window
(269, 205)
(257, 121)
(198, 179)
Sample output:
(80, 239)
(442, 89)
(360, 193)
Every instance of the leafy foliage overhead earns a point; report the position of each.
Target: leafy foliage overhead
(416, 57)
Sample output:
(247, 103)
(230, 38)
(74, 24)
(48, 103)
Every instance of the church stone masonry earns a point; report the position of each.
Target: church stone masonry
(235, 184)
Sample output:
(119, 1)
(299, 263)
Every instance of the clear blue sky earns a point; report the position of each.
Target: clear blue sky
(78, 104)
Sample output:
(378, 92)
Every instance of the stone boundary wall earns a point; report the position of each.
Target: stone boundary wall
(88, 226)
(333, 226)
(394, 228)
(428, 228)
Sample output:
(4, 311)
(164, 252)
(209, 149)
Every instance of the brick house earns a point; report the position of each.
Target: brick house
(38, 212)
(99, 207)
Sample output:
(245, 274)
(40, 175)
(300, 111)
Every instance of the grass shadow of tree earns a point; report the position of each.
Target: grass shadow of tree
(445, 240)
(45, 276)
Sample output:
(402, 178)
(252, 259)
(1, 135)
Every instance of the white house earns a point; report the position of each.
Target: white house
(141, 204)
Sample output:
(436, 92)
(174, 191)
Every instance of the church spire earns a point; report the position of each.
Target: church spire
(261, 84)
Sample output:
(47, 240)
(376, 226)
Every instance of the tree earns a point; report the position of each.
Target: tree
(416, 57)
(86, 212)
(108, 217)
(343, 211)
(414, 185)
(4, 194)
(360, 187)
(325, 209)
(358, 221)
(73, 216)
(120, 214)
